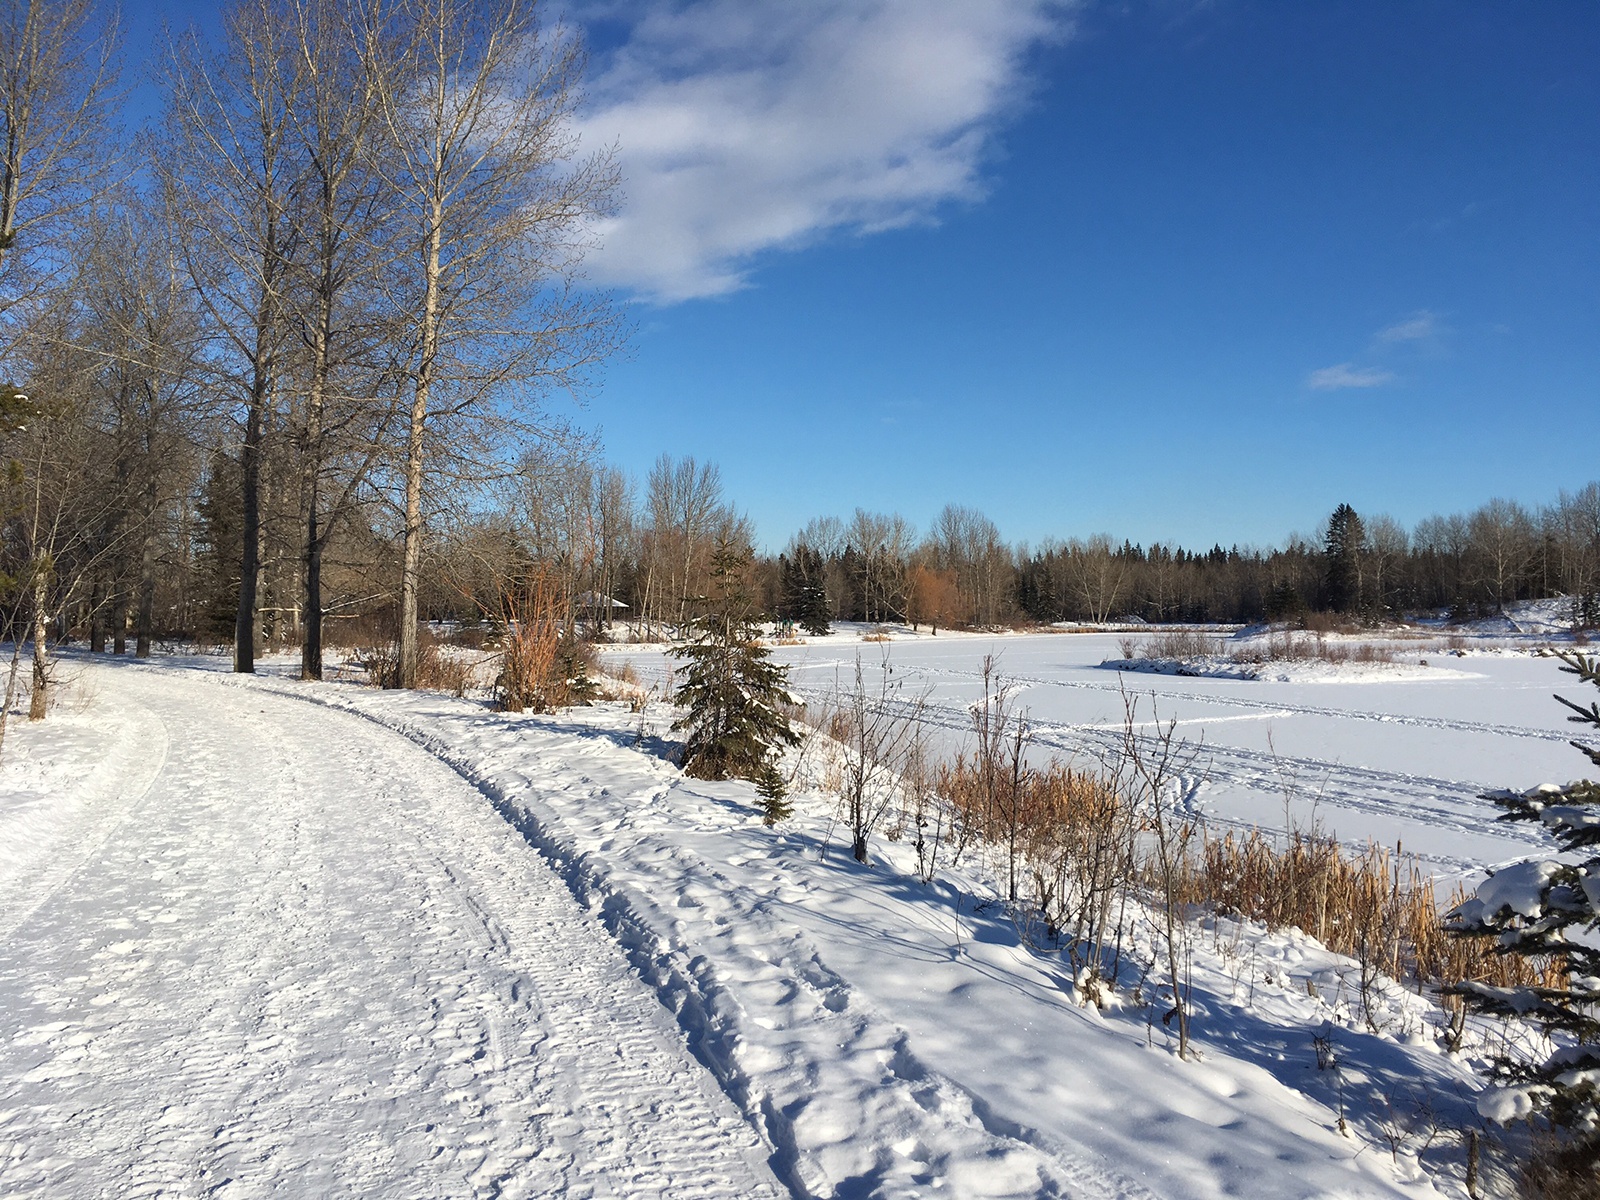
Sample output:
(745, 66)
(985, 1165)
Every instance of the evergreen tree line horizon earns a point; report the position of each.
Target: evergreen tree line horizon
(655, 557)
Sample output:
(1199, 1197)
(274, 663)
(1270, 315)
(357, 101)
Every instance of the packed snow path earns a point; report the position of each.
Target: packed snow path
(286, 952)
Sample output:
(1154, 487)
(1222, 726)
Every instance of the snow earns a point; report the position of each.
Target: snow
(1519, 888)
(301, 962)
(1504, 1105)
(340, 940)
(1363, 753)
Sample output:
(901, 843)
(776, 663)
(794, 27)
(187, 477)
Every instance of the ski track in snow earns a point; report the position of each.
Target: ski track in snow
(290, 958)
(1444, 804)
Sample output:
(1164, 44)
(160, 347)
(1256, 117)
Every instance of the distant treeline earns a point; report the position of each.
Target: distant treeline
(1468, 565)
(648, 557)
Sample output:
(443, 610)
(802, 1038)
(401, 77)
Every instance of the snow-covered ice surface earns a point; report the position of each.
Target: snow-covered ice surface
(1391, 753)
(349, 942)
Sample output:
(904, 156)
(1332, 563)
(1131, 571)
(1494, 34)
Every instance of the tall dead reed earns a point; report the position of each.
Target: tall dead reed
(543, 664)
(1375, 906)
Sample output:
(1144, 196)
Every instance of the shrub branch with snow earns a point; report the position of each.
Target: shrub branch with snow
(1550, 908)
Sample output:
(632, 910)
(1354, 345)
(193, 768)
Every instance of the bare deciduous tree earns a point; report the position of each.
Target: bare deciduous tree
(57, 85)
(229, 181)
(478, 104)
(333, 299)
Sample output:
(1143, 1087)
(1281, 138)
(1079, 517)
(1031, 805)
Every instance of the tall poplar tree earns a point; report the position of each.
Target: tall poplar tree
(478, 102)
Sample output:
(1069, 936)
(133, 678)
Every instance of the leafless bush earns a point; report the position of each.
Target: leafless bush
(381, 663)
(543, 665)
(1180, 644)
(880, 730)
(437, 669)
(1289, 645)
(359, 632)
(1322, 623)
(1149, 771)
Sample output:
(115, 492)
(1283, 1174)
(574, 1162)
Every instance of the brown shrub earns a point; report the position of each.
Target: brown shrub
(1181, 644)
(543, 666)
(1376, 907)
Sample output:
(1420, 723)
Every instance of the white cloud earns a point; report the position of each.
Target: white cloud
(1419, 326)
(1347, 375)
(751, 125)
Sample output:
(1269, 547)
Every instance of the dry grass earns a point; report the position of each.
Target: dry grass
(1181, 644)
(1289, 645)
(1376, 907)
(623, 674)
(1073, 842)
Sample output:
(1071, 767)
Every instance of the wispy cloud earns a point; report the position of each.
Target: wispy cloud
(752, 125)
(1348, 375)
(1419, 326)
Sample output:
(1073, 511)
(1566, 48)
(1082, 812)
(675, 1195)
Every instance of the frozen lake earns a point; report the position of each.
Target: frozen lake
(1369, 754)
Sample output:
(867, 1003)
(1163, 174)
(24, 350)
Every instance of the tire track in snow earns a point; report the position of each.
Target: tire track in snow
(275, 985)
(107, 800)
(794, 1097)
(1302, 710)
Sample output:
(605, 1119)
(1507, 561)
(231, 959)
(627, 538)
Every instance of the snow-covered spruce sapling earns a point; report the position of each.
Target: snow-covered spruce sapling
(733, 692)
(774, 793)
(1544, 908)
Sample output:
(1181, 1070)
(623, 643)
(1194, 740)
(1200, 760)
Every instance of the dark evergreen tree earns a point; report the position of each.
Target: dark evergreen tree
(812, 610)
(220, 530)
(1342, 551)
(1544, 908)
(732, 690)
(572, 661)
(1284, 603)
(788, 607)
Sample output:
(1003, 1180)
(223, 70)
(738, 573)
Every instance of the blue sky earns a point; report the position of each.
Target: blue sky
(1178, 272)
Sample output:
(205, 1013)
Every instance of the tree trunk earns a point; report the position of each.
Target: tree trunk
(311, 637)
(119, 622)
(244, 625)
(97, 616)
(41, 662)
(145, 620)
(311, 643)
(412, 562)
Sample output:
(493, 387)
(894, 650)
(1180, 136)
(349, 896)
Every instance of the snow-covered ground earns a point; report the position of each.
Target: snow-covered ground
(266, 949)
(264, 937)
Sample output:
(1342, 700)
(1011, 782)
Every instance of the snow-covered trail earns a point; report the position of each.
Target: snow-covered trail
(287, 952)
